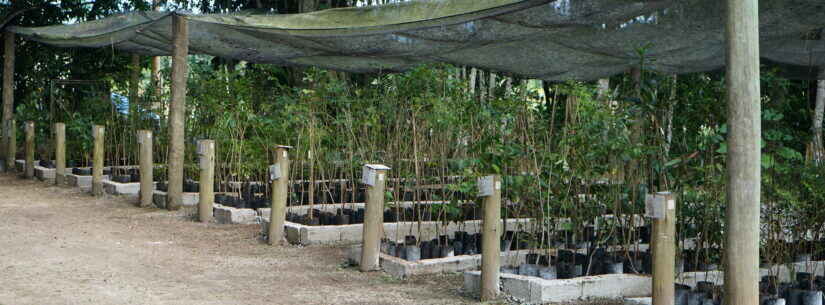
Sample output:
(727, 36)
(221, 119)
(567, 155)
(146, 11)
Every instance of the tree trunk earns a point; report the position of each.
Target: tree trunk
(817, 146)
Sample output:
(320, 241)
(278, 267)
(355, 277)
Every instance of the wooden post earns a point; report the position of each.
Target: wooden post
(490, 188)
(279, 176)
(8, 100)
(177, 111)
(664, 250)
(11, 145)
(98, 133)
(375, 177)
(147, 164)
(28, 171)
(206, 150)
(60, 153)
(744, 156)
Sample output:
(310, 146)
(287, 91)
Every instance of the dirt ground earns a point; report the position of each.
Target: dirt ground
(59, 245)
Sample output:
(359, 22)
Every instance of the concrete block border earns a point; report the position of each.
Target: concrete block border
(159, 198)
(117, 188)
(534, 290)
(83, 182)
(401, 268)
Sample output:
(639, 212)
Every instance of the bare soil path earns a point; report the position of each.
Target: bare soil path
(61, 246)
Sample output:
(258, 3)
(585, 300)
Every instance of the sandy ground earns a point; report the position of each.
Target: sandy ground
(61, 246)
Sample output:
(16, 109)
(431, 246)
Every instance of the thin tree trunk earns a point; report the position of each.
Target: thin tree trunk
(817, 145)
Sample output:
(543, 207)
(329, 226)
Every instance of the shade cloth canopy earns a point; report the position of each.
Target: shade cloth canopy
(543, 39)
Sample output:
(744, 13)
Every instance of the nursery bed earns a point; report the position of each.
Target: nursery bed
(117, 188)
(401, 268)
(84, 182)
(20, 165)
(535, 290)
(350, 234)
(47, 174)
(532, 289)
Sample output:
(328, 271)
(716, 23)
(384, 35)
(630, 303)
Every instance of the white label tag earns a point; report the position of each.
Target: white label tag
(274, 172)
(485, 186)
(671, 204)
(285, 154)
(655, 206)
(380, 177)
(368, 176)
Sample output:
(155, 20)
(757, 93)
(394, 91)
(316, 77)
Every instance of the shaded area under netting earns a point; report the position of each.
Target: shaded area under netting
(544, 39)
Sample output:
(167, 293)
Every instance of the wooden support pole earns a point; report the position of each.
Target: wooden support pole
(28, 171)
(98, 133)
(8, 100)
(206, 150)
(177, 111)
(147, 165)
(744, 156)
(11, 145)
(664, 250)
(280, 189)
(375, 177)
(490, 189)
(60, 153)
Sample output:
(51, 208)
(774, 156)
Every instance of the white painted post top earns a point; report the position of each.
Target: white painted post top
(370, 173)
(376, 166)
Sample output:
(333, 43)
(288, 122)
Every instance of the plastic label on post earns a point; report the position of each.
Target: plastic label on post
(274, 172)
(368, 176)
(485, 186)
(655, 206)
(671, 204)
(370, 172)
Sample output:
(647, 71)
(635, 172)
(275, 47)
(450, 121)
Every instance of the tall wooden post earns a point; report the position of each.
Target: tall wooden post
(8, 100)
(279, 176)
(490, 188)
(11, 145)
(98, 133)
(28, 171)
(60, 153)
(146, 168)
(177, 111)
(375, 177)
(744, 155)
(206, 150)
(664, 249)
